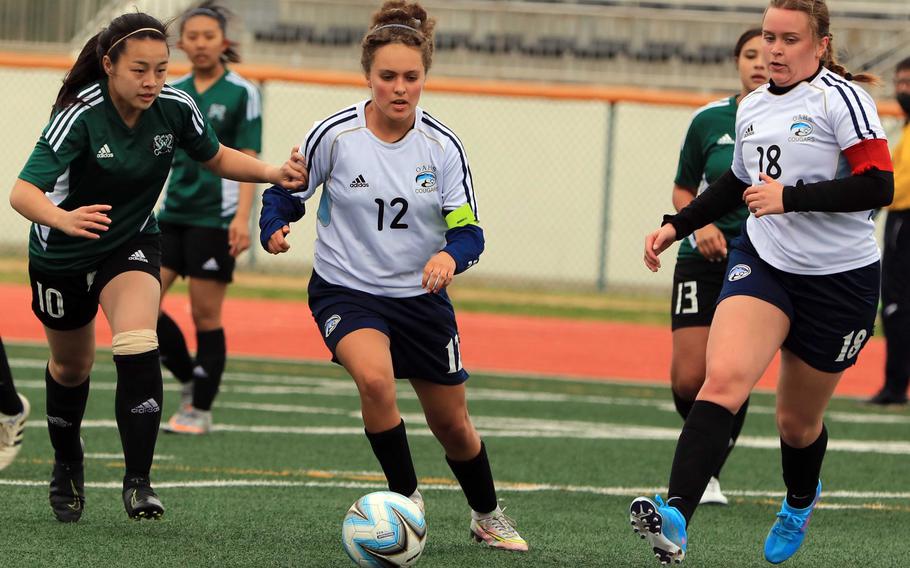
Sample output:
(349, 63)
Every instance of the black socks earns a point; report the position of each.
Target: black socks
(802, 468)
(210, 359)
(702, 445)
(9, 400)
(683, 407)
(65, 409)
(174, 354)
(476, 480)
(394, 455)
(138, 409)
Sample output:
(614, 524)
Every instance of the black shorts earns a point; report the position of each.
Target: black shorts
(696, 286)
(69, 301)
(423, 335)
(832, 316)
(197, 252)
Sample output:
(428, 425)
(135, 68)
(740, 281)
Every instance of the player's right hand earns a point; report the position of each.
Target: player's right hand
(656, 243)
(277, 243)
(83, 221)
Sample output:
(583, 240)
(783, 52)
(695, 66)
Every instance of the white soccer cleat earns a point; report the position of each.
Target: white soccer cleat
(190, 421)
(498, 531)
(713, 495)
(12, 429)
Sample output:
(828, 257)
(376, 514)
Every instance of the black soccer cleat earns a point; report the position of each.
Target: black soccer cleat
(67, 493)
(140, 500)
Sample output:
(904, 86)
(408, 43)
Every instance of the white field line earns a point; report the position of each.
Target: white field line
(503, 487)
(98, 456)
(334, 387)
(499, 427)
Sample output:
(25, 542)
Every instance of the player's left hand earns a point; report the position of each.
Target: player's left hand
(438, 272)
(766, 198)
(238, 236)
(293, 174)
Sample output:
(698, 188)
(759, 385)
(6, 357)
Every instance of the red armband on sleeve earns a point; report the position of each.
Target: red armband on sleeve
(869, 154)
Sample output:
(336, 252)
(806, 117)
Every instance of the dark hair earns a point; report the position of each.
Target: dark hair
(110, 41)
(399, 21)
(747, 36)
(221, 15)
(903, 65)
(820, 23)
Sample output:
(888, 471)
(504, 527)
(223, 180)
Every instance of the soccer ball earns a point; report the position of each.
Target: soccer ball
(384, 529)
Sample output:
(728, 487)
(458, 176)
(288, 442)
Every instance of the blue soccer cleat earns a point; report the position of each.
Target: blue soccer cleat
(662, 525)
(789, 531)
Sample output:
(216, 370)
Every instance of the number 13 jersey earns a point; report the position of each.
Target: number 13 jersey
(381, 214)
(819, 130)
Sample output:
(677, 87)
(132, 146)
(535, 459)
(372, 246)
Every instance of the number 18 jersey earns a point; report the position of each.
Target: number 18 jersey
(819, 130)
(381, 214)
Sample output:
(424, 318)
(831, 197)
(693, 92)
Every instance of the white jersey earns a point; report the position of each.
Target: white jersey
(381, 213)
(800, 136)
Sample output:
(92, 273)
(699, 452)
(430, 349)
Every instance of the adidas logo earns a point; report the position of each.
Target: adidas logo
(210, 264)
(104, 152)
(749, 131)
(726, 140)
(139, 256)
(147, 407)
(359, 182)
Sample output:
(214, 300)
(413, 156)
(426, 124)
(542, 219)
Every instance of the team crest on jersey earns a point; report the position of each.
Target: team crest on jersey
(331, 324)
(217, 112)
(739, 272)
(163, 144)
(426, 179)
(801, 129)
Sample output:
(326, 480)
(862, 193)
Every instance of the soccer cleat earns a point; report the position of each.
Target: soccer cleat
(713, 495)
(67, 492)
(12, 429)
(140, 499)
(417, 498)
(789, 530)
(498, 531)
(662, 525)
(885, 397)
(190, 421)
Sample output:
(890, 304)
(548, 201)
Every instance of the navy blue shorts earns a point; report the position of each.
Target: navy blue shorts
(423, 335)
(832, 316)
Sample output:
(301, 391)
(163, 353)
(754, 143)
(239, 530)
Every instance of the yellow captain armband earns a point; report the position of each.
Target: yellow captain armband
(461, 217)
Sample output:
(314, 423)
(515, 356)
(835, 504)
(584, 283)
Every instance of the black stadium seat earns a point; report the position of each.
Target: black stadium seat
(601, 49)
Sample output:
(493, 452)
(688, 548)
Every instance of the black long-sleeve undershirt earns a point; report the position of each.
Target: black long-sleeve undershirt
(869, 190)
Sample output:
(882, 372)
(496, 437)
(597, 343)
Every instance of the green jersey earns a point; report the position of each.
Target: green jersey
(196, 196)
(87, 155)
(706, 154)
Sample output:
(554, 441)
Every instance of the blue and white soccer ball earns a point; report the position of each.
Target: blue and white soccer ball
(384, 529)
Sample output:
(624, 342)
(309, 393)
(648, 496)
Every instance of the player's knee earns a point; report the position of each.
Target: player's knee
(797, 431)
(686, 386)
(205, 317)
(71, 371)
(135, 341)
(375, 386)
(452, 429)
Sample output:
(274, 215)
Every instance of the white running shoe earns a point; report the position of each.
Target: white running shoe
(186, 395)
(713, 495)
(417, 498)
(190, 421)
(12, 429)
(498, 531)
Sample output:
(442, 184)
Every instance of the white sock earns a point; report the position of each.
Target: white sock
(481, 516)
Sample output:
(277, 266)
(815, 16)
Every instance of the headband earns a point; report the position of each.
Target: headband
(113, 45)
(415, 30)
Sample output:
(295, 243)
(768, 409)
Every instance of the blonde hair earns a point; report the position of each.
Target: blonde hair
(399, 21)
(820, 24)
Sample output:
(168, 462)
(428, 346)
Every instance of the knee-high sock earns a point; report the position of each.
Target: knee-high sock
(394, 455)
(738, 421)
(65, 409)
(210, 360)
(174, 354)
(802, 468)
(9, 400)
(701, 446)
(476, 480)
(138, 408)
